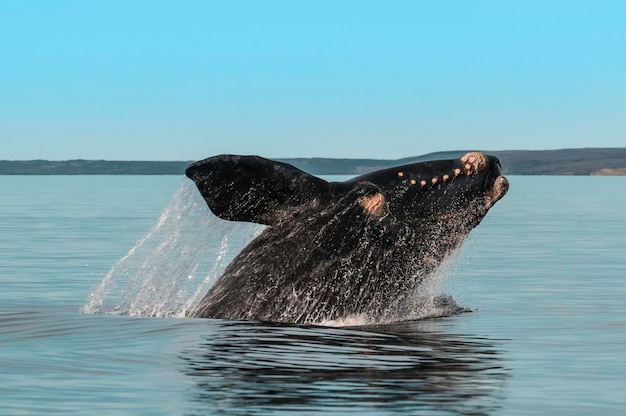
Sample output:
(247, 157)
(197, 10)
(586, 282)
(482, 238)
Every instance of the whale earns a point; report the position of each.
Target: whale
(334, 250)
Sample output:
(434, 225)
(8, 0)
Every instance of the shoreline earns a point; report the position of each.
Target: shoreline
(577, 162)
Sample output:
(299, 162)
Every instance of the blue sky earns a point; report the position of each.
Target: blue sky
(183, 80)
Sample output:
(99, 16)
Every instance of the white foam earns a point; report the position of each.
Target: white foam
(173, 266)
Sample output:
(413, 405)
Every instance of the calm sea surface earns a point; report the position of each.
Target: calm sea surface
(96, 273)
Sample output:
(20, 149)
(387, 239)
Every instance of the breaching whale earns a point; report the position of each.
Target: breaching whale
(338, 249)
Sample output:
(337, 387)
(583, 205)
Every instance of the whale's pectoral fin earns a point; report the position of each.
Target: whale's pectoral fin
(254, 189)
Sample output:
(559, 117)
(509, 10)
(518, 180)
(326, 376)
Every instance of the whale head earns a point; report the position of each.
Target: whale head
(460, 190)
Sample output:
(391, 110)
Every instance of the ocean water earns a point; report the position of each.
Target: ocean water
(97, 272)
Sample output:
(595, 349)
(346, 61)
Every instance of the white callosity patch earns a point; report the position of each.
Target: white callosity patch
(474, 162)
(373, 206)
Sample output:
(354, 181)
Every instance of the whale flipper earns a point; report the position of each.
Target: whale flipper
(254, 189)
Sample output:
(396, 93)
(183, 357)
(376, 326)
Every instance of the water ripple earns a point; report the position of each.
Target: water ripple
(401, 368)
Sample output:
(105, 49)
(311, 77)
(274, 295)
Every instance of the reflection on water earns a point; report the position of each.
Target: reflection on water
(256, 367)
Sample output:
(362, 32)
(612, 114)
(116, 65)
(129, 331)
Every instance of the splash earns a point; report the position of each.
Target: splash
(174, 265)
(167, 272)
(427, 302)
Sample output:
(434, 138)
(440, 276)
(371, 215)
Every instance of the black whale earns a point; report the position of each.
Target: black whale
(339, 249)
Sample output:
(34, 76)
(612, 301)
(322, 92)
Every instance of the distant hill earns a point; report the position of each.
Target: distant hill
(90, 167)
(590, 161)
